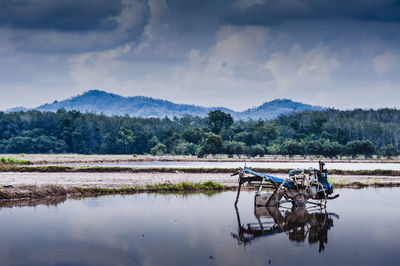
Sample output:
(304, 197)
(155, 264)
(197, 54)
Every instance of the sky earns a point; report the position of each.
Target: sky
(237, 54)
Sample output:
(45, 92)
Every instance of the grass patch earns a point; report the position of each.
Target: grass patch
(39, 169)
(162, 187)
(13, 161)
(376, 182)
(52, 191)
(184, 186)
(15, 166)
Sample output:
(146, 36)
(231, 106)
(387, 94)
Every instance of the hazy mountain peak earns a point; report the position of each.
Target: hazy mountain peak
(274, 108)
(102, 102)
(17, 109)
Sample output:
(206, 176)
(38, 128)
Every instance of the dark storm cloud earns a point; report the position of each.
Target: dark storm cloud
(70, 26)
(206, 15)
(62, 15)
(261, 12)
(82, 15)
(192, 15)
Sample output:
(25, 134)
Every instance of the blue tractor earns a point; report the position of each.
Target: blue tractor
(302, 186)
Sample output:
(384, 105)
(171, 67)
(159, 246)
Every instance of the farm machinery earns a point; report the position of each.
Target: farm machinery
(302, 186)
(299, 224)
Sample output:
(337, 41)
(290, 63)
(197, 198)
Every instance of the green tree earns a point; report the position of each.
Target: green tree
(331, 149)
(257, 150)
(292, 147)
(45, 144)
(153, 141)
(108, 144)
(358, 147)
(192, 136)
(353, 148)
(212, 145)
(274, 149)
(265, 133)
(367, 148)
(126, 137)
(390, 151)
(314, 147)
(20, 144)
(218, 120)
(234, 147)
(159, 149)
(185, 148)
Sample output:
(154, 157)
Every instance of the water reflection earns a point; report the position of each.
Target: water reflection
(32, 202)
(298, 223)
(195, 229)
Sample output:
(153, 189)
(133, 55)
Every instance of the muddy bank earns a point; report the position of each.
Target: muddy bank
(33, 195)
(107, 169)
(33, 202)
(36, 193)
(86, 184)
(79, 158)
(111, 180)
(116, 180)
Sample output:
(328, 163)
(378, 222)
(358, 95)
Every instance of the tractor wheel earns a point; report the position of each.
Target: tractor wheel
(300, 200)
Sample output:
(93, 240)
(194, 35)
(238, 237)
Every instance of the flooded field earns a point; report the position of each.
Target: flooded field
(281, 165)
(358, 228)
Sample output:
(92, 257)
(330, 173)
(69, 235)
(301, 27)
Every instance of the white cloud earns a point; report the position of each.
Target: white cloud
(157, 30)
(233, 66)
(297, 68)
(317, 63)
(6, 45)
(132, 14)
(97, 69)
(236, 47)
(385, 62)
(202, 78)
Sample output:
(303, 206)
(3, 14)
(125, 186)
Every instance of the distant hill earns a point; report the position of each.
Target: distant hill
(101, 102)
(273, 109)
(98, 102)
(17, 109)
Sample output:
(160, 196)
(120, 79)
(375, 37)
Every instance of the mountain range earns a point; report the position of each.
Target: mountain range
(101, 102)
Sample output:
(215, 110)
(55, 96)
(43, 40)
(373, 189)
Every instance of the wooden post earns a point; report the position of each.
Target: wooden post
(238, 191)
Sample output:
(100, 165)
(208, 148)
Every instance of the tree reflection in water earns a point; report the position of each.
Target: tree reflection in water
(297, 223)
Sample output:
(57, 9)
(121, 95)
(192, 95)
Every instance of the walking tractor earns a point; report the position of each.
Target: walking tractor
(302, 186)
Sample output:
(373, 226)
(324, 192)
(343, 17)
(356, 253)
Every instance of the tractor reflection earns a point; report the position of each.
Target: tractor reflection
(298, 223)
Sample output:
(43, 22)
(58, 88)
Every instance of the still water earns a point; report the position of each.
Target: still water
(361, 227)
(281, 165)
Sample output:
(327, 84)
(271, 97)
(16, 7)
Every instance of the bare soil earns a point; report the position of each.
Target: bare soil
(28, 186)
(47, 183)
(116, 180)
(110, 180)
(80, 158)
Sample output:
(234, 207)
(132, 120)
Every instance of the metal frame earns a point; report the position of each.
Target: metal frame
(300, 187)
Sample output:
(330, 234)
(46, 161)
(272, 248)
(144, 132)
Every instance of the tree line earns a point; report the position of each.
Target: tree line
(330, 133)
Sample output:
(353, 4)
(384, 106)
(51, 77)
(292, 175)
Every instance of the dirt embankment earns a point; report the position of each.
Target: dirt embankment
(33, 185)
(115, 169)
(82, 159)
(40, 182)
(35, 192)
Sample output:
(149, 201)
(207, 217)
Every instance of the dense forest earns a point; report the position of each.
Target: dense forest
(328, 132)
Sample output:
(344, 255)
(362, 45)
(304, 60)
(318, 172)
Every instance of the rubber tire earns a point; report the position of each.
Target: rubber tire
(300, 200)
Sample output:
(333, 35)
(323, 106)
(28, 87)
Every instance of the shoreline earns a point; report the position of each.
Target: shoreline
(117, 169)
(53, 194)
(35, 192)
(42, 159)
(37, 182)
(29, 186)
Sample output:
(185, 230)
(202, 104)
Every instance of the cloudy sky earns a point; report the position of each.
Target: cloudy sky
(237, 54)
